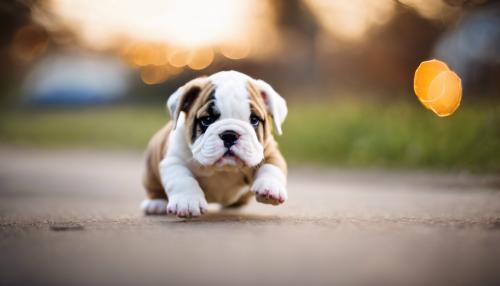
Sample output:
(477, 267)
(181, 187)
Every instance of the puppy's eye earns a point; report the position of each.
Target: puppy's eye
(207, 120)
(254, 120)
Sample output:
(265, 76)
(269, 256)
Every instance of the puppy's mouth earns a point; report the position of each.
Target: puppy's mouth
(229, 159)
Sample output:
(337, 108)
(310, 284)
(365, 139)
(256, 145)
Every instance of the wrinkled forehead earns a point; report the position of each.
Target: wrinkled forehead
(232, 100)
(232, 95)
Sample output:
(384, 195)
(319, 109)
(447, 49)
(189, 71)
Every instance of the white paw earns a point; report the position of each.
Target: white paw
(269, 191)
(154, 206)
(187, 205)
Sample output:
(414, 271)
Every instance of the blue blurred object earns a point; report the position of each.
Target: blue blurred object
(75, 78)
(473, 44)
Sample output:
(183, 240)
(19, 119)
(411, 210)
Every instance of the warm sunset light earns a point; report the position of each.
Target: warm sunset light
(431, 9)
(187, 24)
(159, 36)
(166, 34)
(350, 20)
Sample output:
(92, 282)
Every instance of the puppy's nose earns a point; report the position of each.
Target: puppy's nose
(229, 137)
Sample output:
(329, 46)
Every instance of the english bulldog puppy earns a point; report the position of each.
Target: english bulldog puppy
(218, 147)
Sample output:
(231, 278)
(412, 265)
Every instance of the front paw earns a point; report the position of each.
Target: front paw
(187, 205)
(269, 191)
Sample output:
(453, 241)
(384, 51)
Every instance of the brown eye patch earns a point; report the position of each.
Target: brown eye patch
(205, 115)
(258, 121)
(260, 131)
(206, 95)
(258, 108)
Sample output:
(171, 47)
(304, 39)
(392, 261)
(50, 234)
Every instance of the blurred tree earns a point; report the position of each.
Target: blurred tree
(13, 15)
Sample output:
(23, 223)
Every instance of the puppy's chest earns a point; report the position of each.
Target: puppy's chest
(224, 187)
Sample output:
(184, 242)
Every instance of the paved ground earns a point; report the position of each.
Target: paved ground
(71, 218)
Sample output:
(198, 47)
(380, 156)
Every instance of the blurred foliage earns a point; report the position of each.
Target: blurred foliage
(397, 134)
(353, 133)
(102, 127)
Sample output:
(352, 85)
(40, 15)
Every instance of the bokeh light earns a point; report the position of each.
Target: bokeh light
(182, 34)
(431, 9)
(192, 34)
(350, 20)
(201, 58)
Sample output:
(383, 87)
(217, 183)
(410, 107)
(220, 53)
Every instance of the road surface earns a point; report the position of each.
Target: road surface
(71, 218)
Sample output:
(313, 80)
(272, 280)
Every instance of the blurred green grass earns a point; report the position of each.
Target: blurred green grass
(353, 133)
(399, 134)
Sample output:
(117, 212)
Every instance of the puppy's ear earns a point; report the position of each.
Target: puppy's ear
(276, 105)
(182, 99)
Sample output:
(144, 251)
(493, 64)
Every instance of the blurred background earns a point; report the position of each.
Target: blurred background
(82, 74)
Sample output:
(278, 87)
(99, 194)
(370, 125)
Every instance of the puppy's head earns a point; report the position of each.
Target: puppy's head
(227, 117)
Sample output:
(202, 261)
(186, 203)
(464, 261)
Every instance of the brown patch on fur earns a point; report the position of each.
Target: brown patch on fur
(192, 114)
(203, 111)
(258, 106)
(191, 90)
(272, 154)
(155, 152)
(243, 200)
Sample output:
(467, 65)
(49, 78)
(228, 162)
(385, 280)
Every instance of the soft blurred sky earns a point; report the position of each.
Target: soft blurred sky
(357, 44)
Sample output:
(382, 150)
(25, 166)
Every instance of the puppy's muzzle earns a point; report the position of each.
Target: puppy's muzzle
(229, 137)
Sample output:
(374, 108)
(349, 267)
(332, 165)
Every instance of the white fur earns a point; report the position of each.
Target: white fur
(185, 197)
(182, 161)
(276, 105)
(187, 203)
(270, 185)
(231, 94)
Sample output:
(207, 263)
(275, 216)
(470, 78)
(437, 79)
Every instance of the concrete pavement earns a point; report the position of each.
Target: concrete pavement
(71, 218)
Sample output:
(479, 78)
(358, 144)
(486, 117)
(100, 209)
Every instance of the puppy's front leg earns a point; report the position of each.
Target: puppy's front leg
(185, 197)
(270, 180)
